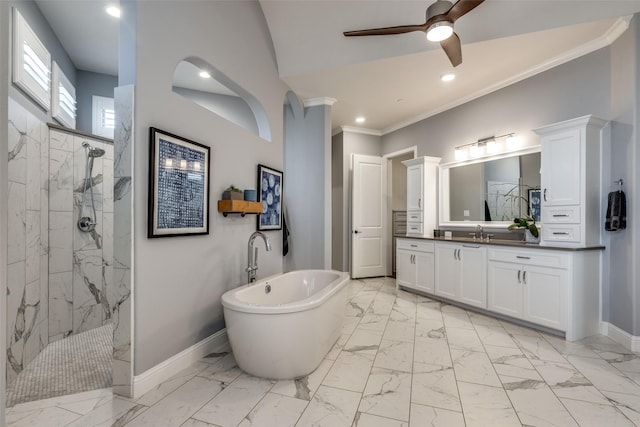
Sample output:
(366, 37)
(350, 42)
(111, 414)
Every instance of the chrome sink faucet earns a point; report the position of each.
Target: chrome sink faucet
(479, 232)
(253, 255)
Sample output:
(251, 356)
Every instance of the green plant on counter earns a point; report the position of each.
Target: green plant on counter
(526, 222)
(234, 189)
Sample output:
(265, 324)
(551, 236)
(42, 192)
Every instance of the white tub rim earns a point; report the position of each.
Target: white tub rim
(231, 302)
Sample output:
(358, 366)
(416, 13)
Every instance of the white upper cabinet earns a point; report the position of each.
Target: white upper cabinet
(422, 196)
(570, 177)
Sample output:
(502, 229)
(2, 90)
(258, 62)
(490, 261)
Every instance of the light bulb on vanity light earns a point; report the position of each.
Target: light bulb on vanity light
(460, 153)
(492, 146)
(513, 142)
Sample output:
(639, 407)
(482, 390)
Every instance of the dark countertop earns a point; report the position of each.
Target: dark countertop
(504, 242)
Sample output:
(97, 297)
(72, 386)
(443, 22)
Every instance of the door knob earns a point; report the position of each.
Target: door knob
(356, 231)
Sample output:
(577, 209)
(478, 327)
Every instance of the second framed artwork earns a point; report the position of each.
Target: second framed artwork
(534, 204)
(270, 194)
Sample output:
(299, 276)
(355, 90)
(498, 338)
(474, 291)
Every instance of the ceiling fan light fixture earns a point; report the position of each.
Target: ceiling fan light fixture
(439, 31)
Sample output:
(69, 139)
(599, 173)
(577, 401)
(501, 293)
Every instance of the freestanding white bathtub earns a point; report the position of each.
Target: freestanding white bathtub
(283, 326)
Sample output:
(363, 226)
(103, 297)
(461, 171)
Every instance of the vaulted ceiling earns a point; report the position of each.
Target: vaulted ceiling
(389, 80)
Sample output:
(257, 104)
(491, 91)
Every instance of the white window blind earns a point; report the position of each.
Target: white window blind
(104, 118)
(31, 62)
(64, 98)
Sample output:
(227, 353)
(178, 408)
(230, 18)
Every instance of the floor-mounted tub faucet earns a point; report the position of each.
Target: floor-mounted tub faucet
(253, 255)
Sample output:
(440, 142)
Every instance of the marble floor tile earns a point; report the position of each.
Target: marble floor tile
(486, 406)
(435, 386)
(399, 331)
(494, 335)
(566, 381)
(350, 371)
(363, 341)
(603, 376)
(464, 339)
(435, 417)
(529, 396)
(387, 394)
(231, 405)
(511, 362)
(275, 410)
(368, 420)
(330, 407)
(402, 360)
(432, 351)
(179, 405)
(114, 412)
(474, 367)
(589, 414)
(304, 388)
(396, 355)
(628, 404)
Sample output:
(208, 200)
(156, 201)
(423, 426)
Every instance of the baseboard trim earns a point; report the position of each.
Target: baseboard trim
(632, 342)
(152, 377)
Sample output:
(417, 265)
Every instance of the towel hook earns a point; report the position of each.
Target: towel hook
(620, 182)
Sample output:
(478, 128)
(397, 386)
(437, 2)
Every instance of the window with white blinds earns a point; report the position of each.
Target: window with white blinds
(103, 123)
(31, 62)
(64, 98)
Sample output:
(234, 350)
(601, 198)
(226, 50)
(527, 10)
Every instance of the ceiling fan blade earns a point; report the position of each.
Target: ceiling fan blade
(386, 31)
(462, 7)
(453, 49)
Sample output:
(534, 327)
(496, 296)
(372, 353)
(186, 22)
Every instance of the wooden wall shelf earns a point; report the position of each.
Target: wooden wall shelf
(241, 207)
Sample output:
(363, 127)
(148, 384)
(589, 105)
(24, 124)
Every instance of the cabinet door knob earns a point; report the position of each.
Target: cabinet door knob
(522, 257)
(519, 273)
(420, 203)
(544, 194)
(560, 233)
(524, 277)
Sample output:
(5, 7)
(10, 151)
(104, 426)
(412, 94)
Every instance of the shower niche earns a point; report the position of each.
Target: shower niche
(80, 232)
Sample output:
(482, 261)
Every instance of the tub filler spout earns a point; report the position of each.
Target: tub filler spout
(252, 255)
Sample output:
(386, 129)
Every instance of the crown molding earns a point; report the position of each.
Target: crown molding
(312, 102)
(363, 131)
(616, 30)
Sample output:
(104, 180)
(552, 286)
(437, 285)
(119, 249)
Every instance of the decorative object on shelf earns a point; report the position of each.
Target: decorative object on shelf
(232, 193)
(529, 225)
(270, 195)
(251, 195)
(178, 186)
(241, 207)
(534, 203)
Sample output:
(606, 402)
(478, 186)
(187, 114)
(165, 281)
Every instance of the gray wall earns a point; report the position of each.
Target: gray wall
(307, 187)
(89, 84)
(232, 108)
(178, 282)
(40, 26)
(337, 184)
(352, 143)
(621, 293)
(603, 83)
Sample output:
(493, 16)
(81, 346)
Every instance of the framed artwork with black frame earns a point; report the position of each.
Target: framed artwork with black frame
(178, 186)
(270, 194)
(534, 204)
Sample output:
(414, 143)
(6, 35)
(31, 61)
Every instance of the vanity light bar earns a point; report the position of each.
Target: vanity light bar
(482, 146)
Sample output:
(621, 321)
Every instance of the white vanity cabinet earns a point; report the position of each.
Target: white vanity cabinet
(570, 182)
(460, 273)
(529, 285)
(421, 195)
(415, 264)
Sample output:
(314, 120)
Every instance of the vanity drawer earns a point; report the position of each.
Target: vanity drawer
(414, 228)
(414, 216)
(415, 245)
(535, 257)
(561, 215)
(561, 233)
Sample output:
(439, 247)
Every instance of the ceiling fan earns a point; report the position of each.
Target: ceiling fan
(439, 26)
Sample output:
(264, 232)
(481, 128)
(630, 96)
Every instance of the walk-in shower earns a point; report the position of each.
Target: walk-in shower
(88, 223)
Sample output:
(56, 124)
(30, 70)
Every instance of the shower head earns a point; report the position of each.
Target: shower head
(93, 151)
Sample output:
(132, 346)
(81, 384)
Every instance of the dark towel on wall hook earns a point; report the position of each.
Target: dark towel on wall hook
(616, 211)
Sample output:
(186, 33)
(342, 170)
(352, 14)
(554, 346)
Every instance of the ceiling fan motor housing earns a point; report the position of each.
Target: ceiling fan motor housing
(438, 8)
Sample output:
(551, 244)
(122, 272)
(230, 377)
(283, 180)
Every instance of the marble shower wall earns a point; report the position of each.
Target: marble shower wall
(27, 245)
(80, 263)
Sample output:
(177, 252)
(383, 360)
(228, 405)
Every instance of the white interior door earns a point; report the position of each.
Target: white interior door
(368, 216)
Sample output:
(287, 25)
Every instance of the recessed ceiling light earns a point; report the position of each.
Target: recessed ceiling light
(113, 11)
(447, 77)
(360, 119)
(204, 74)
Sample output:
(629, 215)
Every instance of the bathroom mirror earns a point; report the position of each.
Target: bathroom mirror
(489, 191)
(203, 84)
